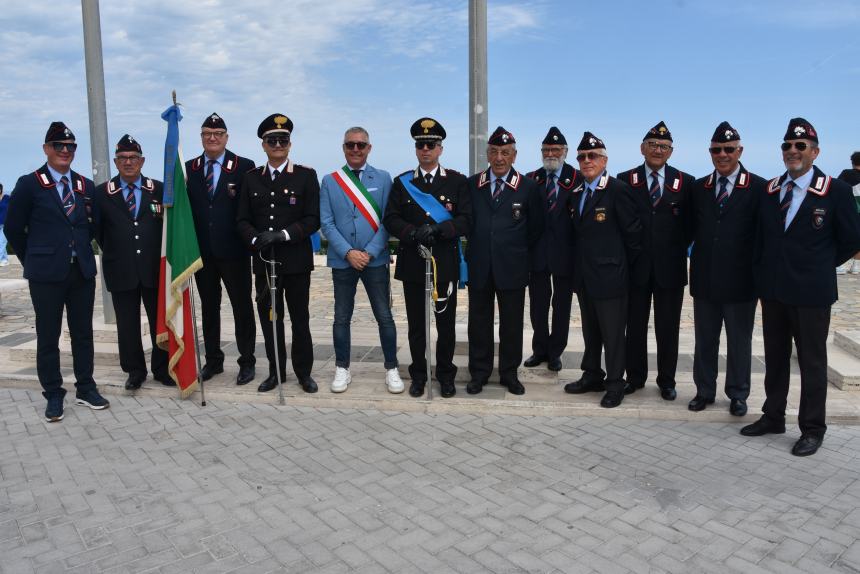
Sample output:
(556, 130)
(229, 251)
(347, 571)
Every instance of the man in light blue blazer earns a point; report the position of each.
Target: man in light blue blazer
(351, 203)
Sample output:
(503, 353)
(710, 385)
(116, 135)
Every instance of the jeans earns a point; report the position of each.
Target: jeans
(376, 282)
(3, 255)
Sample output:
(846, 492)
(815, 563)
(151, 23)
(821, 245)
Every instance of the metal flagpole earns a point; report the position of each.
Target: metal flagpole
(428, 314)
(477, 85)
(194, 322)
(273, 315)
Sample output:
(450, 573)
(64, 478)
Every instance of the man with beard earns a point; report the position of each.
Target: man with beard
(662, 203)
(725, 210)
(607, 240)
(808, 225)
(429, 206)
(550, 258)
(508, 212)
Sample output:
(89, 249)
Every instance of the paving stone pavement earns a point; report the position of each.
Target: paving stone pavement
(162, 485)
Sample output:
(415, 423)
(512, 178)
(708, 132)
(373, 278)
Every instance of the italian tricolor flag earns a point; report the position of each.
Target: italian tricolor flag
(358, 194)
(180, 258)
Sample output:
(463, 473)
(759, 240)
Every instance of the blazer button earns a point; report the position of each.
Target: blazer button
(137, 237)
(273, 194)
(272, 205)
(271, 217)
(135, 223)
(138, 251)
(270, 229)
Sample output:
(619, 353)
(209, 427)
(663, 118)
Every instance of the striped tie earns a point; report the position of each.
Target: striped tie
(500, 183)
(68, 197)
(130, 201)
(655, 192)
(210, 179)
(551, 192)
(785, 202)
(723, 195)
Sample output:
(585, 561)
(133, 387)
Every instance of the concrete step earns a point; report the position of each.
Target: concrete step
(848, 341)
(105, 353)
(843, 369)
(106, 332)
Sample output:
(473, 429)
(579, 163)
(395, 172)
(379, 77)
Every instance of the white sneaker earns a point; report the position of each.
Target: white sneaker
(842, 269)
(4, 263)
(855, 266)
(342, 378)
(394, 382)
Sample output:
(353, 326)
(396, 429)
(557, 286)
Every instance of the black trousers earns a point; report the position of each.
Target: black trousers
(544, 289)
(77, 295)
(667, 321)
(236, 275)
(295, 289)
(709, 318)
(127, 307)
(445, 370)
(808, 326)
(481, 319)
(603, 323)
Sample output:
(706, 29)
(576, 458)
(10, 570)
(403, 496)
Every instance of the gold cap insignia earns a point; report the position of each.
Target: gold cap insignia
(427, 124)
(280, 121)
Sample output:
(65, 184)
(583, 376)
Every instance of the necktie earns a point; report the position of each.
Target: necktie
(356, 173)
(130, 201)
(500, 183)
(588, 193)
(551, 192)
(723, 194)
(210, 179)
(785, 202)
(275, 175)
(428, 178)
(68, 197)
(654, 191)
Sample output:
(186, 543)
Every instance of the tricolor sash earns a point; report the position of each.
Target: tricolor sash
(358, 195)
(431, 205)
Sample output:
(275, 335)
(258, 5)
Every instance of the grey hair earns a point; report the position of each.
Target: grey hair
(356, 130)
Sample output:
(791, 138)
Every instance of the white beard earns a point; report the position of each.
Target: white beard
(552, 163)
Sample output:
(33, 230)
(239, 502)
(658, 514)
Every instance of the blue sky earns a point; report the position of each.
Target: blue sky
(614, 68)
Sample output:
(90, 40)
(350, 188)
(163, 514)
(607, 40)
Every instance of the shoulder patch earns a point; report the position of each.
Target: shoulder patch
(820, 186)
(773, 186)
(197, 163)
(112, 187)
(148, 184)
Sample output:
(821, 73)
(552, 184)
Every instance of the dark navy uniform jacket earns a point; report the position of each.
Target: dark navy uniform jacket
(403, 214)
(41, 233)
(722, 260)
(553, 251)
(503, 230)
(666, 228)
(131, 247)
(797, 266)
(215, 221)
(291, 202)
(607, 238)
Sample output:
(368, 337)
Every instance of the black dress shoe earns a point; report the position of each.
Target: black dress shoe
(515, 387)
(416, 389)
(208, 371)
(474, 387)
(762, 427)
(246, 374)
(134, 381)
(554, 364)
(309, 385)
(270, 383)
(612, 399)
(534, 361)
(806, 445)
(738, 407)
(668, 394)
(165, 380)
(584, 386)
(448, 389)
(699, 403)
(631, 388)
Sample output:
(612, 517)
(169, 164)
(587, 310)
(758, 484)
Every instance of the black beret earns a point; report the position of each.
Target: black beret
(427, 129)
(554, 137)
(590, 141)
(800, 129)
(276, 123)
(501, 137)
(58, 131)
(725, 133)
(128, 143)
(214, 122)
(658, 132)
(855, 158)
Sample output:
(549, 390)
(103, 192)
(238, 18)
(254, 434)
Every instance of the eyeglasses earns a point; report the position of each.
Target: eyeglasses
(799, 146)
(729, 149)
(60, 146)
(654, 146)
(591, 155)
(552, 150)
(275, 141)
(128, 158)
(505, 153)
(428, 145)
(217, 134)
(355, 145)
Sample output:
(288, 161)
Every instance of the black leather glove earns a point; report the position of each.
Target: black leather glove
(437, 230)
(266, 238)
(425, 236)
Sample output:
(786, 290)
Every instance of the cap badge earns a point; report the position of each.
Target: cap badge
(130, 139)
(214, 117)
(662, 130)
(279, 121)
(66, 132)
(555, 138)
(592, 141)
(427, 124)
(505, 138)
(799, 131)
(729, 133)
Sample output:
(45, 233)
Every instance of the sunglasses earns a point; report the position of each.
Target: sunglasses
(729, 149)
(799, 146)
(428, 145)
(60, 146)
(355, 145)
(591, 155)
(275, 141)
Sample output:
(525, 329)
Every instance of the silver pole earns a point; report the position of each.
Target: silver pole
(427, 254)
(196, 340)
(477, 85)
(273, 317)
(98, 115)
